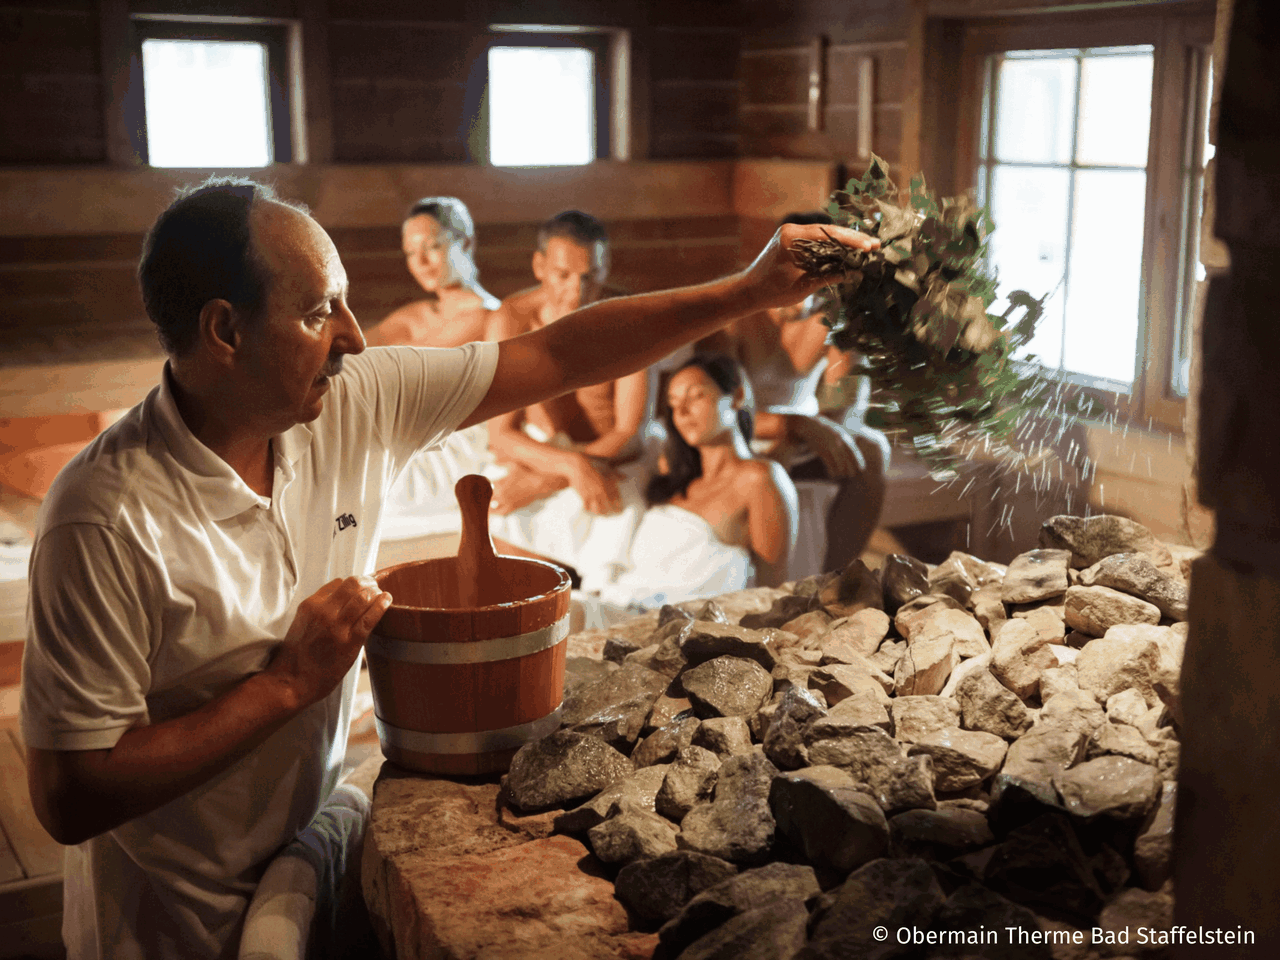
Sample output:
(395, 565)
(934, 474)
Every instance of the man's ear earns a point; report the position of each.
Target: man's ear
(221, 330)
(739, 396)
(539, 265)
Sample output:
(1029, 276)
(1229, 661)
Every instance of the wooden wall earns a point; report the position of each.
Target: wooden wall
(50, 83)
(69, 241)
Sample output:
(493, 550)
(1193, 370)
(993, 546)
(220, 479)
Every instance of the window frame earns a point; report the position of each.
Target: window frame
(280, 37)
(1180, 36)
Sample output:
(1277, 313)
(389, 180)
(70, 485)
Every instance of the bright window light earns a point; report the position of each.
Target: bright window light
(206, 103)
(541, 106)
(1064, 163)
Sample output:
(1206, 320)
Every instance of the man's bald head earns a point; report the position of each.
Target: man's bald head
(202, 248)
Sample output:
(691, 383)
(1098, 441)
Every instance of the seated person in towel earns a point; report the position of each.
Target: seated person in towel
(719, 518)
(810, 405)
(571, 441)
(439, 242)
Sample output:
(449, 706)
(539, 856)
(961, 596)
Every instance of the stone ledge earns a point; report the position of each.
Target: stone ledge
(448, 872)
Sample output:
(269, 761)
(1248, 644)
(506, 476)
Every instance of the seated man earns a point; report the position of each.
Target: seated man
(571, 441)
(439, 242)
(837, 461)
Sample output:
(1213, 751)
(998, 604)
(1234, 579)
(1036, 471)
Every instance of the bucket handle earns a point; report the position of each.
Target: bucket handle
(477, 565)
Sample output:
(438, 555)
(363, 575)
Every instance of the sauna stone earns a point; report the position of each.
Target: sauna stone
(939, 834)
(1122, 740)
(769, 932)
(737, 825)
(724, 736)
(690, 779)
(859, 710)
(837, 681)
(856, 588)
(859, 752)
(706, 640)
(1095, 610)
(988, 705)
(1153, 850)
(663, 744)
(823, 813)
(925, 666)
(887, 892)
(658, 888)
(630, 833)
(1019, 656)
(563, 767)
(967, 635)
(727, 687)
(630, 683)
(747, 890)
(903, 579)
(961, 758)
(1036, 575)
(1119, 788)
(639, 788)
(952, 578)
(918, 716)
(1120, 660)
(784, 741)
(1043, 865)
(1134, 573)
(1090, 539)
(862, 631)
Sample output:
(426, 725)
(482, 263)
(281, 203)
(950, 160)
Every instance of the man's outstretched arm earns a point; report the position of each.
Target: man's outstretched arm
(612, 338)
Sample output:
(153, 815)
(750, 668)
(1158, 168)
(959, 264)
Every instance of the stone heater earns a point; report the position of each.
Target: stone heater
(777, 773)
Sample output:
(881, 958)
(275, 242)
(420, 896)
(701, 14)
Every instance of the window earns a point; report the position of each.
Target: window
(1064, 172)
(555, 96)
(542, 108)
(1090, 153)
(214, 93)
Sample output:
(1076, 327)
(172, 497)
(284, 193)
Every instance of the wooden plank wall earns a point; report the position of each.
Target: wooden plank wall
(50, 83)
(69, 242)
(777, 60)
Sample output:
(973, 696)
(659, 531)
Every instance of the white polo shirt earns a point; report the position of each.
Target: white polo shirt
(159, 580)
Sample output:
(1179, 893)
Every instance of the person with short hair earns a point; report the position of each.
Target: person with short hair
(573, 440)
(438, 237)
(200, 584)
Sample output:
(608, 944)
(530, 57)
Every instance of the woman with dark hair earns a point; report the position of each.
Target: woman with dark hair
(719, 518)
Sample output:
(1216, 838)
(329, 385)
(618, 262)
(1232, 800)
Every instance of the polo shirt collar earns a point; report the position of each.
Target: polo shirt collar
(219, 488)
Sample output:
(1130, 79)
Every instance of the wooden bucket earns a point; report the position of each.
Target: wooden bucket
(467, 665)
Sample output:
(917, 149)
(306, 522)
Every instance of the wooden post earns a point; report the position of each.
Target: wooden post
(1227, 841)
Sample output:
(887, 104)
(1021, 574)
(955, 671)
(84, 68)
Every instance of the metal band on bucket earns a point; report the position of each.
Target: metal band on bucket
(479, 741)
(469, 651)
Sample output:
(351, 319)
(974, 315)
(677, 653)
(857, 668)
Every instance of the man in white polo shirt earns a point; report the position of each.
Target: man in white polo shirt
(200, 586)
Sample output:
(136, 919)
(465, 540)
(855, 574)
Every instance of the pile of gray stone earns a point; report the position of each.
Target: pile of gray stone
(935, 751)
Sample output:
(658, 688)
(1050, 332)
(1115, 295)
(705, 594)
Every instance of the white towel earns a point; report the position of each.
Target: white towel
(422, 502)
(298, 910)
(675, 556)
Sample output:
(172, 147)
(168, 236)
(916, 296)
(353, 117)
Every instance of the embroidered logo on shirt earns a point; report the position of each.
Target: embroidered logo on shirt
(344, 521)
